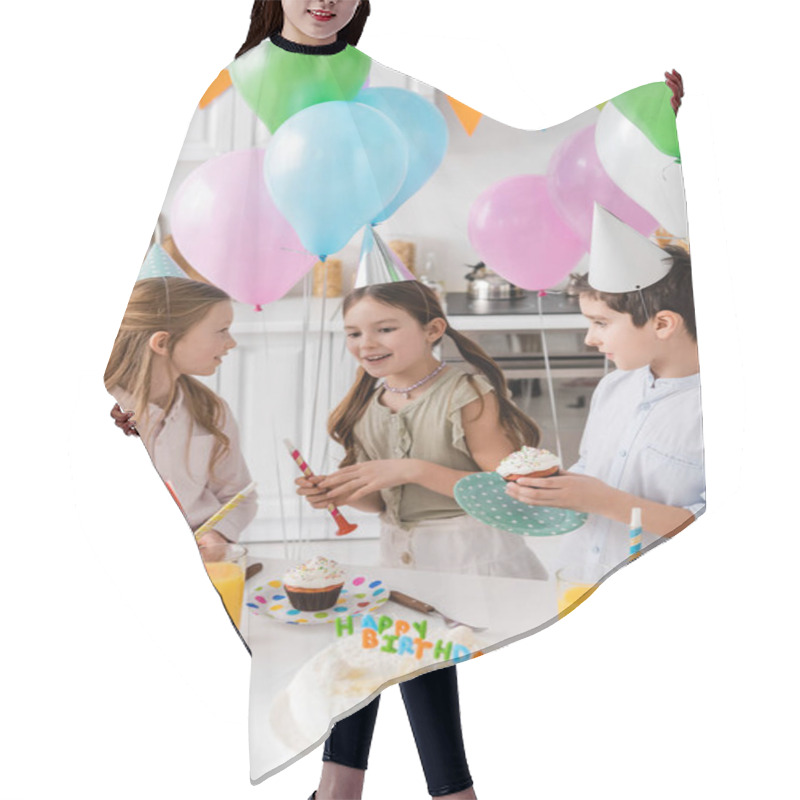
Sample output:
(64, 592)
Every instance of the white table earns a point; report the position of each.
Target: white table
(509, 608)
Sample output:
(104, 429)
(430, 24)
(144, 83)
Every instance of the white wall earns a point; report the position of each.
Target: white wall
(436, 217)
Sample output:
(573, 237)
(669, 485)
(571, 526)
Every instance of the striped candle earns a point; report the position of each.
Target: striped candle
(635, 533)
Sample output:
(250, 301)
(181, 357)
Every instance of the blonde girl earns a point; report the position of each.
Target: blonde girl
(174, 328)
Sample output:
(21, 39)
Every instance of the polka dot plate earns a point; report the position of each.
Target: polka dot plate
(360, 595)
(483, 496)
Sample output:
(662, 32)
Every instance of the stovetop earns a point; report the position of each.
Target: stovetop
(459, 303)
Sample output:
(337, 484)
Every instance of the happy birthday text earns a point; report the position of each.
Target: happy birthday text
(399, 637)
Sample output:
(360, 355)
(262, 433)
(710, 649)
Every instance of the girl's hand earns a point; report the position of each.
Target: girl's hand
(308, 488)
(567, 490)
(210, 538)
(124, 420)
(359, 480)
(675, 82)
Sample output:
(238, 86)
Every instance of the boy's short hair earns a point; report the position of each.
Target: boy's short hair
(672, 293)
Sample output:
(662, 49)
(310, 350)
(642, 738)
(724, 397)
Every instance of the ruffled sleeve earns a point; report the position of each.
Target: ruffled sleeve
(463, 394)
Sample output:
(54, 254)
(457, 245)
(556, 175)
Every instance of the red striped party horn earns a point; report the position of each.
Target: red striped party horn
(342, 525)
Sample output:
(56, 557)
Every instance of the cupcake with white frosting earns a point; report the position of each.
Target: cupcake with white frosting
(529, 462)
(314, 585)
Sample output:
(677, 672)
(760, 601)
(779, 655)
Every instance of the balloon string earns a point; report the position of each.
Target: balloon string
(279, 484)
(318, 385)
(319, 363)
(303, 360)
(549, 374)
(329, 401)
(328, 460)
(275, 450)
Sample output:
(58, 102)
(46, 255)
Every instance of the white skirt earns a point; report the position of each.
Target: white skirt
(460, 544)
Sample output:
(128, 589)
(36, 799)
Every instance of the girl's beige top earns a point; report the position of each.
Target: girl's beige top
(428, 428)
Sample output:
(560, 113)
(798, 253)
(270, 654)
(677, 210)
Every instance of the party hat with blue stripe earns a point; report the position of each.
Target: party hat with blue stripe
(158, 264)
(378, 263)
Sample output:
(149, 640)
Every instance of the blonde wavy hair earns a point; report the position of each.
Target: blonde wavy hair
(174, 305)
(421, 303)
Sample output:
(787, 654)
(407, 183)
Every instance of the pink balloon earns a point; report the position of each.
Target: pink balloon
(519, 235)
(576, 180)
(227, 227)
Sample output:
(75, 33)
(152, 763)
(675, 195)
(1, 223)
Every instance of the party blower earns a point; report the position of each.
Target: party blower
(343, 526)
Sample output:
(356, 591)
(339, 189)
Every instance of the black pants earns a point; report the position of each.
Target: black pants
(431, 702)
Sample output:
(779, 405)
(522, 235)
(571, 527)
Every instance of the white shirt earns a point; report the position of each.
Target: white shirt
(644, 435)
(181, 453)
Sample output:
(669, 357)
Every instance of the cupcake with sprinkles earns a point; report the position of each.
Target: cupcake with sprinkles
(529, 462)
(314, 585)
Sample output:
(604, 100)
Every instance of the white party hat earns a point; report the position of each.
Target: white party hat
(620, 258)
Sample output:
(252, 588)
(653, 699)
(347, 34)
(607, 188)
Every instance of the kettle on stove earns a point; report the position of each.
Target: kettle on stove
(483, 284)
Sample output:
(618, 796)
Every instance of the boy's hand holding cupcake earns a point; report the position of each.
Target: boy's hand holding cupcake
(534, 477)
(582, 493)
(571, 490)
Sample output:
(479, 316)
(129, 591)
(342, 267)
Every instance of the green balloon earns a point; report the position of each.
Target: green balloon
(276, 83)
(650, 110)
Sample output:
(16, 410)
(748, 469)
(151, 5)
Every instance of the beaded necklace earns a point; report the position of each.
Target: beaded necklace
(408, 389)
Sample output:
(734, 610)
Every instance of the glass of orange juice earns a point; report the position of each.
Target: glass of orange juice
(225, 565)
(575, 583)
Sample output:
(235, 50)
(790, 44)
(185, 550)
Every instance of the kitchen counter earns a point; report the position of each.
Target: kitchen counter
(293, 314)
(559, 312)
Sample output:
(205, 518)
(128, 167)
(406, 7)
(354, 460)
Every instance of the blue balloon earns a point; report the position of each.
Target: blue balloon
(331, 168)
(425, 131)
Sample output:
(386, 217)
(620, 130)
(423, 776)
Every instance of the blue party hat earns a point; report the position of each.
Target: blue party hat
(158, 264)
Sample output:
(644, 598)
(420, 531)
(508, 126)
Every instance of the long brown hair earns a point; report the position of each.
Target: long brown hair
(173, 305)
(421, 303)
(266, 19)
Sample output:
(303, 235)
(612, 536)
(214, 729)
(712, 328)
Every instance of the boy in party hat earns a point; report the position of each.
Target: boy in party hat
(643, 442)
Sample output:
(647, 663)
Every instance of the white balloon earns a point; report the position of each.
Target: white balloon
(649, 177)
